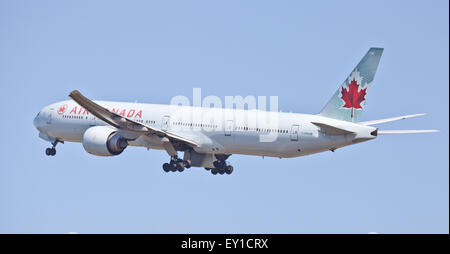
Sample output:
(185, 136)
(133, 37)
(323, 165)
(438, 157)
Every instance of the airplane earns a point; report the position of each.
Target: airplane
(106, 128)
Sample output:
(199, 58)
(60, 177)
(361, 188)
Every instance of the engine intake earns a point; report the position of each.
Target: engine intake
(103, 141)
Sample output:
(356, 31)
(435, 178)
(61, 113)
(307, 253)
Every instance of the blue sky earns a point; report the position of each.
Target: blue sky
(150, 51)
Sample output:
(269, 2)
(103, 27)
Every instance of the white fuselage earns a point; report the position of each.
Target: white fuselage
(219, 131)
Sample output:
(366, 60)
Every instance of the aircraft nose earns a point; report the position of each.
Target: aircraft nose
(37, 122)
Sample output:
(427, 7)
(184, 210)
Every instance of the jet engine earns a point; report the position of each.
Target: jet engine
(103, 141)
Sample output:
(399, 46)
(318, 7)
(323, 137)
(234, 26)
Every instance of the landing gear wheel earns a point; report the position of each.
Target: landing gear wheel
(219, 164)
(166, 167)
(229, 170)
(221, 171)
(50, 151)
(179, 166)
(214, 171)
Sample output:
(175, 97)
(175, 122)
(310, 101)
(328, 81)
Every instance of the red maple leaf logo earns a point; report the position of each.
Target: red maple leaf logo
(62, 109)
(352, 97)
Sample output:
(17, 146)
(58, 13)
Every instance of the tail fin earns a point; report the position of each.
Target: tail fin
(348, 102)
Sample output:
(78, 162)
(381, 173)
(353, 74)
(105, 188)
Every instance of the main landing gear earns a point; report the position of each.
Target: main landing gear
(221, 166)
(176, 164)
(52, 151)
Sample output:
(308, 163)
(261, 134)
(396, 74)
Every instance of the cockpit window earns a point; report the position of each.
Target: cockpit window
(38, 114)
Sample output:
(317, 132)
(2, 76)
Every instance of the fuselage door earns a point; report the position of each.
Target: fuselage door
(165, 123)
(228, 127)
(294, 132)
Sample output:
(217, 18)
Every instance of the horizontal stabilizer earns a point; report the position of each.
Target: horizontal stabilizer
(331, 130)
(391, 119)
(380, 132)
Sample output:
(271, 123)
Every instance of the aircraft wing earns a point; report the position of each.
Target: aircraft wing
(123, 123)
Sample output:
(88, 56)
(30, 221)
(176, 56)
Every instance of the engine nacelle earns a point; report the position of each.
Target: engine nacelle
(103, 141)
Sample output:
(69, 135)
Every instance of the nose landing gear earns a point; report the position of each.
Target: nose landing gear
(52, 151)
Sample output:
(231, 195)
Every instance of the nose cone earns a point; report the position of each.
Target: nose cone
(37, 122)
